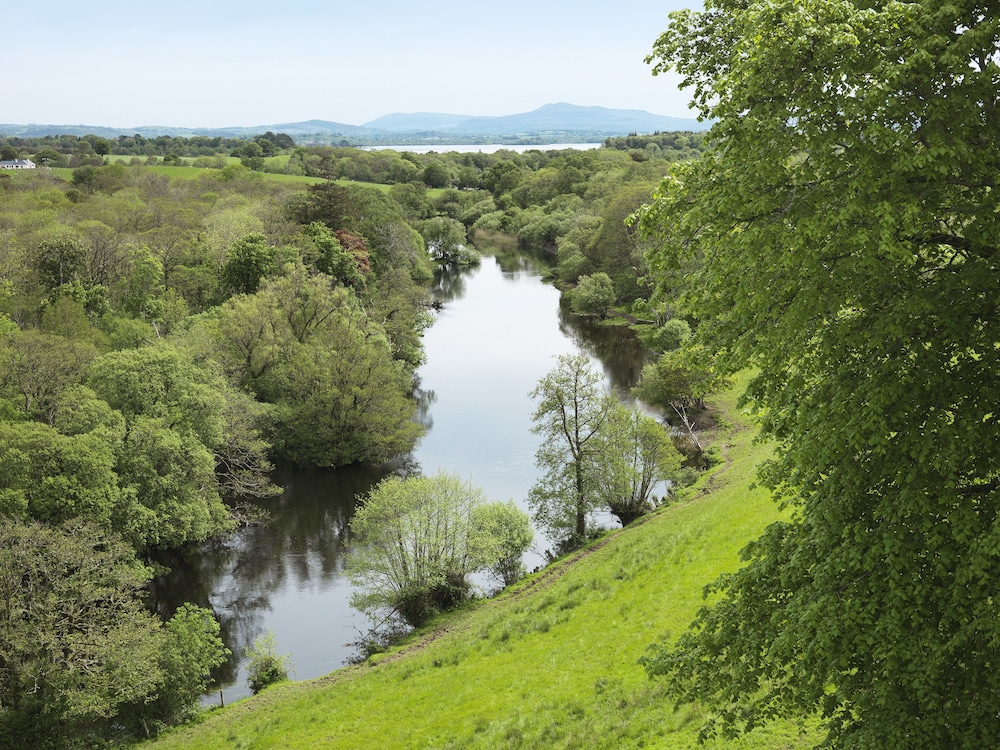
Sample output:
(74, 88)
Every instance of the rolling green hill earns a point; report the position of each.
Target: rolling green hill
(551, 663)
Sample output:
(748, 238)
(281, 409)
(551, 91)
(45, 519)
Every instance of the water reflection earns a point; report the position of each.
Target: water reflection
(449, 284)
(497, 332)
(617, 348)
(286, 575)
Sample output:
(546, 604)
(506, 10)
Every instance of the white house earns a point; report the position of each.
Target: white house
(17, 164)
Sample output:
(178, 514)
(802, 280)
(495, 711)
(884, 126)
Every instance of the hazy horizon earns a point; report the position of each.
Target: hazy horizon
(246, 64)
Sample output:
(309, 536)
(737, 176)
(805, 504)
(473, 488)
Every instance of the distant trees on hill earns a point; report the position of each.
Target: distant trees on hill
(74, 150)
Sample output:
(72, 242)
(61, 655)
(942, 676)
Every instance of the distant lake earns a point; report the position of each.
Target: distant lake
(484, 148)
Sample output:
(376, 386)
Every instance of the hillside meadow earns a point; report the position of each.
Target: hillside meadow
(550, 663)
(191, 173)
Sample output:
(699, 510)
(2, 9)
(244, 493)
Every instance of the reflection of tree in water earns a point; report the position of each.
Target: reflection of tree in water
(302, 545)
(201, 576)
(617, 347)
(425, 400)
(514, 264)
(449, 283)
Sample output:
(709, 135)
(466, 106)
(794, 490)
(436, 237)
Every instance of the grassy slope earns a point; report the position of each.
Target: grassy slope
(549, 664)
(191, 173)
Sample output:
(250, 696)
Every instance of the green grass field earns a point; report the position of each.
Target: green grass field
(191, 173)
(552, 662)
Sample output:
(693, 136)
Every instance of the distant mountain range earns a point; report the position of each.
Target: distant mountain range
(552, 123)
(549, 118)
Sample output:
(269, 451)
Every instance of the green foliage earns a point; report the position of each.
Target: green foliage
(370, 214)
(501, 178)
(436, 175)
(308, 348)
(594, 453)
(265, 665)
(634, 454)
(80, 658)
(510, 529)
(539, 231)
(75, 640)
(593, 295)
(175, 419)
(412, 198)
(192, 647)
(572, 410)
(679, 380)
(845, 235)
(51, 477)
(417, 540)
(675, 145)
(60, 260)
(249, 260)
(446, 242)
(617, 248)
(334, 260)
(671, 335)
(171, 495)
(145, 448)
(35, 367)
(572, 263)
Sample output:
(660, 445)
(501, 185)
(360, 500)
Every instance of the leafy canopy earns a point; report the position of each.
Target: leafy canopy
(844, 235)
(80, 656)
(573, 408)
(417, 539)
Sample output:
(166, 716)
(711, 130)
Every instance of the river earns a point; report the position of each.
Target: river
(498, 331)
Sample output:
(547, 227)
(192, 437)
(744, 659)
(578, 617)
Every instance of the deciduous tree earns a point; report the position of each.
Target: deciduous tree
(509, 528)
(416, 542)
(309, 348)
(572, 409)
(634, 454)
(593, 295)
(80, 657)
(846, 218)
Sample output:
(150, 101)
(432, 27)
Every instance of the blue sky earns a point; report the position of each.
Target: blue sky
(226, 63)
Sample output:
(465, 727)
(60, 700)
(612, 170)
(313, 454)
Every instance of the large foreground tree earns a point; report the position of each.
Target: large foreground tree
(81, 660)
(846, 229)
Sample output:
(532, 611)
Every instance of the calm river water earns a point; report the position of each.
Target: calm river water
(498, 332)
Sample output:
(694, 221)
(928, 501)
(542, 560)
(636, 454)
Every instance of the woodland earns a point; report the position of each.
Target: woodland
(172, 327)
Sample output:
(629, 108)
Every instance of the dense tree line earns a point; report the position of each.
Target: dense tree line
(160, 343)
(71, 150)
(676, 144)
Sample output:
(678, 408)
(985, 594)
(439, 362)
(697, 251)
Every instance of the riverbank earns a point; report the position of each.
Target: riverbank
(550, 663)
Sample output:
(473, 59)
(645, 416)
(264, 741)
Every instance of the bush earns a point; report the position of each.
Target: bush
(593, 295)
(671, 335)
(417, 540)
(267, 667)
(510, 528)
